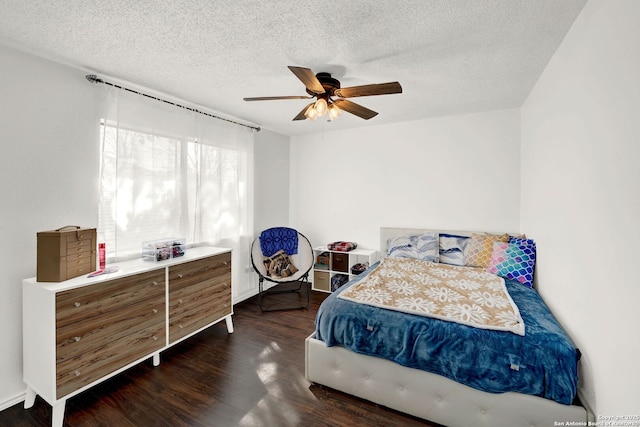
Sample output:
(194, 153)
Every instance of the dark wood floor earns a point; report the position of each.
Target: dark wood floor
(253, 377)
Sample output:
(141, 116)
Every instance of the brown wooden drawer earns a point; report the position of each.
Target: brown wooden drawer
(190, 273)
(321, 281)
(87, 367)
(82, 303)
(192, 320)
(87, 335)
(78, 256)
(215, 284)
(196, 306)
(80, 267)
(77, 246)
(190, 298)
(340, 262)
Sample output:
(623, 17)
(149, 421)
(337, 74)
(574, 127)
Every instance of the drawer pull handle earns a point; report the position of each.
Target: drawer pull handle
(155, 310)
(180, 326)
(77, 304)
(180, 276)
(155, 338)
(77, 373)
(179, 301)
(76, 339)
(155, 283)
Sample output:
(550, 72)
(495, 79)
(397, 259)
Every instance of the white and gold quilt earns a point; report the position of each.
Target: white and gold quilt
(466, 295)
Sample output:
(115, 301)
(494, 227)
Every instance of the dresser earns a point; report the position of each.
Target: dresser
(82, 331)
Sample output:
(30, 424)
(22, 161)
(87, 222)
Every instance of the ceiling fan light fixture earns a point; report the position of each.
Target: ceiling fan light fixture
(321, 106)
(333, 111)
(311, 113)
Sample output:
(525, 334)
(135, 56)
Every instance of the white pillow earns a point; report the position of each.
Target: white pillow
(428, 247)
(415, 246)
(452, 249)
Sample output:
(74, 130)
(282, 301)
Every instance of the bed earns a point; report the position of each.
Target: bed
(522, 377)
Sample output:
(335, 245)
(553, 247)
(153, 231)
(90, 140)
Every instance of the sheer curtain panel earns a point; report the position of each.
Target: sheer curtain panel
(167, 172)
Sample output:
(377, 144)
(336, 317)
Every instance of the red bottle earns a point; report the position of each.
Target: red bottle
(102, 255)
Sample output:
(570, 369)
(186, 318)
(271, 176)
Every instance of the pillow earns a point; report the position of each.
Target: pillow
(451, 248)
(428, 249)
(515, 261)
(480, 248)
(398, 243)
(403, 247)
(423, 247)
(521, 240)
(279, 265)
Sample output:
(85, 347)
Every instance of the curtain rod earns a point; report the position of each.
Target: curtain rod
(94, 79)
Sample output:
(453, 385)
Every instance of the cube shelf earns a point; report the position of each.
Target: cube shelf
(330, 263)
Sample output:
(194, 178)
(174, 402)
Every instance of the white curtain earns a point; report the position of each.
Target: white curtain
(167, 172)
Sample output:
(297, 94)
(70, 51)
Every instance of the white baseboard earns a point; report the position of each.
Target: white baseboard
(13, 401)
(245, 296)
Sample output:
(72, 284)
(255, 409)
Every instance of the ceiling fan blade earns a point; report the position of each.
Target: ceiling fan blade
(307, 77)
(301, 115)
(273, 98)
(368, 90)
(356, 109)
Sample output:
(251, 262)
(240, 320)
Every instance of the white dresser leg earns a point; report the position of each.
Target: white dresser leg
(156, 359)
(58, 414)
(229, 324)
(30, 398)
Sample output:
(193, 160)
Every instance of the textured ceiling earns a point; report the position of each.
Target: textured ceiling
(451, 56)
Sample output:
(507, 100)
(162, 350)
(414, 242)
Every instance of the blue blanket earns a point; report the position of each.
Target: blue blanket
(543, 363)
(279, 238)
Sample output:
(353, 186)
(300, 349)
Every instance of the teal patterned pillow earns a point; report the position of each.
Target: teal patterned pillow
(516, 260)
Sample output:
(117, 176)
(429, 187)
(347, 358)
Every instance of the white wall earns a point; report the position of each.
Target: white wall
(271, 189)
(345, 185)
(271, 202)
(581, 200)
(48, 179)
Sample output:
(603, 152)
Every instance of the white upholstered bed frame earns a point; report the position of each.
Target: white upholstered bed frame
(425, 395)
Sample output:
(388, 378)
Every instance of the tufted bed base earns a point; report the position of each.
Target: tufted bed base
(429, 396)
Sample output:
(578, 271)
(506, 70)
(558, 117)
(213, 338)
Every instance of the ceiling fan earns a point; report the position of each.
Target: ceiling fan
(330, 97)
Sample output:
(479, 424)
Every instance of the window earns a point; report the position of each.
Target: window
(167, 172)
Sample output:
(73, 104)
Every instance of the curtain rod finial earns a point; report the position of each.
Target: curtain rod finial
(93, 78)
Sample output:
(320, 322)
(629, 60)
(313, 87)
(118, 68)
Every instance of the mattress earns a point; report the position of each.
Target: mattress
(542, 363)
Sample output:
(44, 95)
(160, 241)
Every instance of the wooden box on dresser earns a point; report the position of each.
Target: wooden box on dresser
(82, 331)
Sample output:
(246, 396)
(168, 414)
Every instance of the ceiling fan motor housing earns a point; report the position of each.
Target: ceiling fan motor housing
(328, 83)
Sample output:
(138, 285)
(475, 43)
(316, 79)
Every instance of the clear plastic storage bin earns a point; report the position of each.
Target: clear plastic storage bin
(163, 249)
